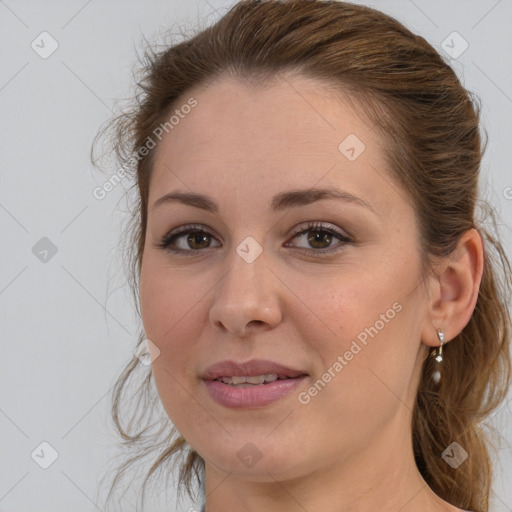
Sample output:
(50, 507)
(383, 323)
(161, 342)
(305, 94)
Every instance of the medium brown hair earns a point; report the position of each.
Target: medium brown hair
(434, 150)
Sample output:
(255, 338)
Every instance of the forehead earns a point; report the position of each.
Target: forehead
(293, 131)
(284, 112)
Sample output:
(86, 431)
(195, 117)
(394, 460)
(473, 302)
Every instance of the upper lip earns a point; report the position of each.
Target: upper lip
(249, 369)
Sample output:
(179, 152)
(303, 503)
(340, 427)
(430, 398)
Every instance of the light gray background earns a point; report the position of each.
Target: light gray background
(68, 325)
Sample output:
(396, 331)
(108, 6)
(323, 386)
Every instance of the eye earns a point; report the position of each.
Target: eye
(195, 238)
(320, 236)
(189, 238)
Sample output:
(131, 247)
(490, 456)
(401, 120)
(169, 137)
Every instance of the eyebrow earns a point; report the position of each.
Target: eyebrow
(281, 201)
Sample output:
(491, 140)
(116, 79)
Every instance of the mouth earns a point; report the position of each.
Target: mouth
(254, 383)
(254, 372)
(247, 381)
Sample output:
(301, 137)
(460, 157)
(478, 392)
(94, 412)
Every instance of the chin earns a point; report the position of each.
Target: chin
(260, 460)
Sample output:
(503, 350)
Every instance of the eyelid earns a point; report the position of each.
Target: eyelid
(319, 226)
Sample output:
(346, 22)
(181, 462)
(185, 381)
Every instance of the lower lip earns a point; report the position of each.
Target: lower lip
(254, 396)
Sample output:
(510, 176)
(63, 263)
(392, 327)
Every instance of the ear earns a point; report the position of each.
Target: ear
(454, 289)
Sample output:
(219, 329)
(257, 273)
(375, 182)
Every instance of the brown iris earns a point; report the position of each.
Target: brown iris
(200, 238)
(319, 236)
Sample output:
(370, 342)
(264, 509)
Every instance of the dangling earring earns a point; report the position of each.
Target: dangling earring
(437, 354)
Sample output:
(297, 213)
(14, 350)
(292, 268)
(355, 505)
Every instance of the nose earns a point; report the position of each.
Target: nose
(247, 299)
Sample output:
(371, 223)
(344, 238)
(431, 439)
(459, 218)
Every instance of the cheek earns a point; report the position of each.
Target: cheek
(168, 307)
(165, 300)
(343, 306)
(368, 319)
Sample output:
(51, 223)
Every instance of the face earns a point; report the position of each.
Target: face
(269, 276)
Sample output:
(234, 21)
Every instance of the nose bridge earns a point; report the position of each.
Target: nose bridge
(248, 266)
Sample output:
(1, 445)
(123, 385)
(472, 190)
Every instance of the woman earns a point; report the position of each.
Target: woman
(326, 319)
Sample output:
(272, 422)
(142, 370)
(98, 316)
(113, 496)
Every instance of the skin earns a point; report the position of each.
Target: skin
(349, 448)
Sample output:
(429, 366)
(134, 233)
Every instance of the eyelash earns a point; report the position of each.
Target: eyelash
(168, 239)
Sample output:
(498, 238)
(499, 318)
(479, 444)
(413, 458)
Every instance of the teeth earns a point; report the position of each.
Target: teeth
(258, 379)
(255, 380)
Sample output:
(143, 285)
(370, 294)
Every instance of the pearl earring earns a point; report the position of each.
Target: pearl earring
(437, 354)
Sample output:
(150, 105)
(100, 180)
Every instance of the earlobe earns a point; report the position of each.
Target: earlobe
(456, 287)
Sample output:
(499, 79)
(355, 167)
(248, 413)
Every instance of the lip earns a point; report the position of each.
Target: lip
(258, 395)
(249, 369)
